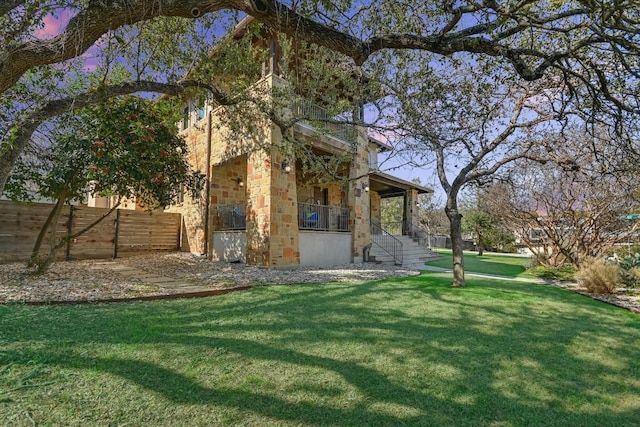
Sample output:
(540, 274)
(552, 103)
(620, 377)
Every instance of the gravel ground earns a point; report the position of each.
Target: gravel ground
(94, 280)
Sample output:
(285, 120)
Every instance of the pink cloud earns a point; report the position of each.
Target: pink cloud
(54, 25)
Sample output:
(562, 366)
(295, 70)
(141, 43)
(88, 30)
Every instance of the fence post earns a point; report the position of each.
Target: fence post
(67, 255)
(115, 237)
(180, 233)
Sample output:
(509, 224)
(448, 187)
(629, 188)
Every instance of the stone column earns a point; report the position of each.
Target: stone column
(272, 223)
(285, 248)
(410, 210)
(258, 208)
(358, 200)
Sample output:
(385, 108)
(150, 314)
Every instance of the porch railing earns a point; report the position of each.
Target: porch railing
(231, 217)
(322, 217)
(385, 241)
(310, 113)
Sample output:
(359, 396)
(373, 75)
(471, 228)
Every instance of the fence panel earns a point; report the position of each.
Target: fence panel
(97, 242)
(122, 233)
(20, 225)
(141, 232)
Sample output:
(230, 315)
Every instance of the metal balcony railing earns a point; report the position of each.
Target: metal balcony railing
(317, 117)
(322, 217)
(231, 217)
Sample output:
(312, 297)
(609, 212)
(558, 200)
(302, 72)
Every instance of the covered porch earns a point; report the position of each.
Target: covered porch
(384, 186)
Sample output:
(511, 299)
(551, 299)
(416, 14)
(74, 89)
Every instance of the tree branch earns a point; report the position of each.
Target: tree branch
(8, 5)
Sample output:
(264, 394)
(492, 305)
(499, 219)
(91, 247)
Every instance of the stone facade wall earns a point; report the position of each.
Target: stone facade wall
(272, 224)
(337, 194)
(337, 191)
(258, 208)
(284, 216)
(225, 188)
(194, 211)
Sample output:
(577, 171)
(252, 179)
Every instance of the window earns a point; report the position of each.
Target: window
(180, 197)
(373, 159)
(185, 118)
(201, 108)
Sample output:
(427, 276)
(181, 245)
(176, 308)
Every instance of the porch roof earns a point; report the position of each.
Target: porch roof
(390, 186)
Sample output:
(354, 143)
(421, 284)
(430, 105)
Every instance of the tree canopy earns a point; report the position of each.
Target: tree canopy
(590, 46)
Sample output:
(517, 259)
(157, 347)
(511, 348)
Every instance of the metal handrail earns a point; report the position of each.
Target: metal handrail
(387, 242)
(395, 228)
(407, 228)
(414, 231)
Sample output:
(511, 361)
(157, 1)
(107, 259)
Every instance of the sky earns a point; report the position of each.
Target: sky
(54, 24)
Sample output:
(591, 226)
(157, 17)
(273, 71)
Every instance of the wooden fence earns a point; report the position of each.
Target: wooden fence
(122, 233)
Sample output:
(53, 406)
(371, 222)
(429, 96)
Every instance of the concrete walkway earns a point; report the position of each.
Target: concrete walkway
(167, 283)
(485, 275)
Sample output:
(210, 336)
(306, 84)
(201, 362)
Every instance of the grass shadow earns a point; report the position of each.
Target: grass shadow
(409, 351)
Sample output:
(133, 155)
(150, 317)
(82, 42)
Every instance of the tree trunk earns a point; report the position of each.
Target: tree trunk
(455, 228)
(480, 244)
(53, 216)
(50, 226)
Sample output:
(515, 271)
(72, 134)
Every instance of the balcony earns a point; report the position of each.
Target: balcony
(231, 217)
(322, 218)
(318, 118)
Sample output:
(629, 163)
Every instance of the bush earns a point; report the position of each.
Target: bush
(599, 277)
(625, 251)
(630, 270)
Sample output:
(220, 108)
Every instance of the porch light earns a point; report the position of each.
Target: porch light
(417, 203)
(286, 166)
(240, 181)
(365, 187)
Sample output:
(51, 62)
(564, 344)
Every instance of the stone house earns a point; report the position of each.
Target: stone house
(262, 207)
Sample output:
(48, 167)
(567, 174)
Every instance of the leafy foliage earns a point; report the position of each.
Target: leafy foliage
(630, 270)
(487, 230)
(564, 272)
(121, 148)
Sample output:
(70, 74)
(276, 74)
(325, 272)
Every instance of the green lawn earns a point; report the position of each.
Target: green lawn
(502, 265)
(405, 352)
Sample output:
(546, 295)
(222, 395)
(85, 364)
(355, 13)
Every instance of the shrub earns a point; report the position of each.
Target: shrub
(625, 251)
(598, 277)
(630, 270)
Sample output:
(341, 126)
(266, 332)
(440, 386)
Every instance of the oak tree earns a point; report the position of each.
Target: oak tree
(590, 46)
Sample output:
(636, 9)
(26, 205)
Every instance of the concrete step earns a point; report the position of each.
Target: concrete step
(412, 252)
